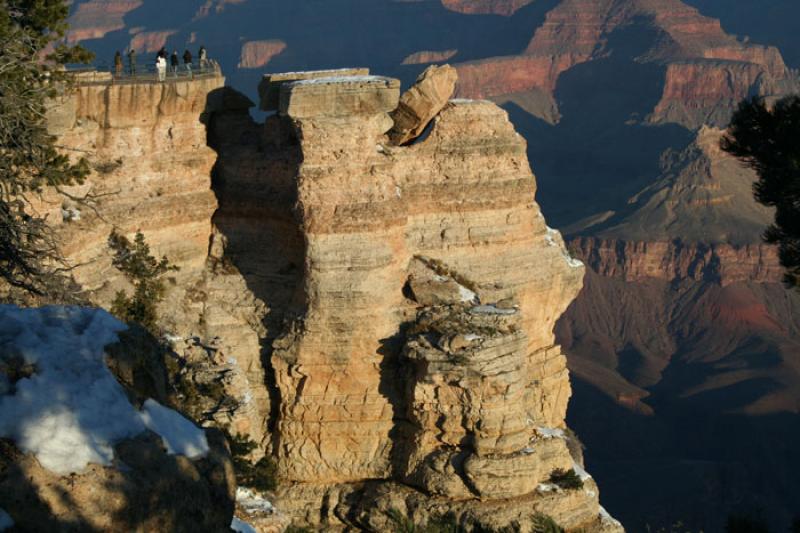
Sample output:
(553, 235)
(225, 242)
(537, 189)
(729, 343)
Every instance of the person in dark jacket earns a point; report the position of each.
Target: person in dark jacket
(187, 60)
(132, 62)
(174, 62)
(118, 66)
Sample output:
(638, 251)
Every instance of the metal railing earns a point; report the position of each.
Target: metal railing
(105, 73)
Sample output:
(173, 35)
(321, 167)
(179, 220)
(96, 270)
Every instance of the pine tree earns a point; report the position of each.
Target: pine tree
(29, 161)
(146, 274)
(768, 140)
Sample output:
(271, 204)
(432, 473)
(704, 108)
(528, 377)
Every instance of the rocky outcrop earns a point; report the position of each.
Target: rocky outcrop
(333, 258)
(429, 56)
(148, 146)
(369, 224)
(95, 18)
(270, 87)
(708, 91)
(707, 71)
(484, 7)
(153, 492)
(422, 102)
(724, 264)
(256, 54)
(700, 195)
(85, 451)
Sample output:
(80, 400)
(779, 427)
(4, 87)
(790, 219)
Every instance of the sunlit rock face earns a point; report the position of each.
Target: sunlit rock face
(147, 145)
(347, 282)
(370, 233)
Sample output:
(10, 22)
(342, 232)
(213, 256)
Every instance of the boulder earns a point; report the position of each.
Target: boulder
(422, 102)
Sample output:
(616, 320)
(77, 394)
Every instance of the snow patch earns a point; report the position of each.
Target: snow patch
(340, 80)
(172, 339)
(606, 518)
(547, 487)
(491, 310)
(252, 503)
(180, 436)
(466, 295)
(70, 214)
(467, 101)
(469, 337)
(552, 237)
(71, 411)
(240, 526)
(551, 433)
(6, 522)
(584, 475)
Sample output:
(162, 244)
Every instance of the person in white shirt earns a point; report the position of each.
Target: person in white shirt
(161, 67)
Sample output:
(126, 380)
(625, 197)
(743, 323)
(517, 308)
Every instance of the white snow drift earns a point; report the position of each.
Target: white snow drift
(72, 410)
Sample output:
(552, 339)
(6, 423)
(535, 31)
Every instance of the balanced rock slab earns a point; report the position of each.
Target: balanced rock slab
(422, 102)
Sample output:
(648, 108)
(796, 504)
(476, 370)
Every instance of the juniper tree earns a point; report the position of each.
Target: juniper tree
(768, 140)
(146, 274)
(29, 161)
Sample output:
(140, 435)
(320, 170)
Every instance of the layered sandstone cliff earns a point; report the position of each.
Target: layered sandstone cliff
(152, 167)
(356, 390)
(349, 288)
(706, 71)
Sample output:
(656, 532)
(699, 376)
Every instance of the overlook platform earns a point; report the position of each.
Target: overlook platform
(144, 73)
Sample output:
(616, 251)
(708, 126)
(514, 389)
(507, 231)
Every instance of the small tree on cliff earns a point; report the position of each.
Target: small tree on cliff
(146, 274)
(768, 140)
(29, 161)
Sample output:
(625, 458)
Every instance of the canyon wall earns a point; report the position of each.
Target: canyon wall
(147, 145)
(347, 289)
(376, 226)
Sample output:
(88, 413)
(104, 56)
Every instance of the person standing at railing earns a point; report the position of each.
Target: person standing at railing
(132, 62)
(118, 64)
(203, 57)
(161, 67)
(174, 62)
(187, 61)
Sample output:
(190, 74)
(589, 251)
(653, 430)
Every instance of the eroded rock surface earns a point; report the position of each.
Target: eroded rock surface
(423, 101)
(332, 255)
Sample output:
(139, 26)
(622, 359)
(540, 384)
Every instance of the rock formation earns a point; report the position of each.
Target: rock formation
(152, 173)
(420, 104)
(370, 215)
(494, 7)
(368, 285)
(707, 71)
(429, 56)
(257, 54)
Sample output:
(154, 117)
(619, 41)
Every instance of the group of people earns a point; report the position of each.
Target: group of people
(161, 62)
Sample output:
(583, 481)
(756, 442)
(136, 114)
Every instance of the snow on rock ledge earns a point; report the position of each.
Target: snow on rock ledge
(68, 428)
(67, 408)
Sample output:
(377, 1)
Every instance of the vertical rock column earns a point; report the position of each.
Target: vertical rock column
(334, 421)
